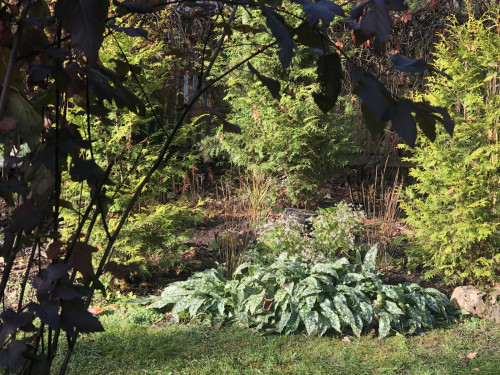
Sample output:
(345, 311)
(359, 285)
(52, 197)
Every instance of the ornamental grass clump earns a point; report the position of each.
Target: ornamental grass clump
(284, 294)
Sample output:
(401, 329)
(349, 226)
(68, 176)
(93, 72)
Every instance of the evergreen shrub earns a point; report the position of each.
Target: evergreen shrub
(453, 206)
(288, 138)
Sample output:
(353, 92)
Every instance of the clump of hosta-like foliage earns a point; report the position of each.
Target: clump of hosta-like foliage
(286, 295)
(332, 233)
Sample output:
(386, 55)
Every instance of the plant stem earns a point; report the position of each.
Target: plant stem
(13, 58)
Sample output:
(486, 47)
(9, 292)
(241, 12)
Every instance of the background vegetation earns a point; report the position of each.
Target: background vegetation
(126, 127)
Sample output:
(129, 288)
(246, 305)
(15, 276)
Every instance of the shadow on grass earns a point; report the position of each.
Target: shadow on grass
(134, 349)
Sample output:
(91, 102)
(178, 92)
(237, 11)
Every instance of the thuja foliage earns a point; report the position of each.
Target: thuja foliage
(155, 231)
(453, 206)
(333, 232)
(283, 134)
(287, 295)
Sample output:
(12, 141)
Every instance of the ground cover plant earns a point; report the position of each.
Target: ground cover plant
(287, 295)
(332, 232)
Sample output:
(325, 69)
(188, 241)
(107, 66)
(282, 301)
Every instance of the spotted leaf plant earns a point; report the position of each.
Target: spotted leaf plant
(287, 295)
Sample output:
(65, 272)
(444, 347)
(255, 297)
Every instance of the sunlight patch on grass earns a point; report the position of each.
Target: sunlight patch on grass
(195, 349)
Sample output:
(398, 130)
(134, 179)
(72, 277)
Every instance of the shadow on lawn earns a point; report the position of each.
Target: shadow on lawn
(201, 350)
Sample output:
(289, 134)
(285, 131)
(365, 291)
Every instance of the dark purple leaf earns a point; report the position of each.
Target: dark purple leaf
(323, 10)
(373, 93)
(81, 257)
(131, 31)
(352, 25)
(403, 64)
(38, 72)
(330, 78)
(377, 22)
(55, 271)
(12, 321)
(26, 218)
(396, 5)
(403, 121)
(135, 7)
(426, 121)
(445, 118)
(279, 29)
(42, 286)
(75, 316)
(357, 11)
(85, 20)
(44, 283)
(87, 170)
(360, 37)
(16, 186)
(374, 126)
(100, 84)
(12, 357)
(272, 85)
(308, 36)
(11, 162)
(65, 292)
(228, 127)
(47, 311)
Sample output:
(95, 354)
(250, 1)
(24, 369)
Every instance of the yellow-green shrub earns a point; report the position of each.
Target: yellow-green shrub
(453, 206)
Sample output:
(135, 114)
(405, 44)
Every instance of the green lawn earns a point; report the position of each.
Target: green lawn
(130, 348)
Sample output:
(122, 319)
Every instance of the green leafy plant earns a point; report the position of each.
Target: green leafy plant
(453, 206)
(287, 295)
(333, 232)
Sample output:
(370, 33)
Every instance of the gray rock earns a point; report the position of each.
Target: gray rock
(297, 215)
(484, 305)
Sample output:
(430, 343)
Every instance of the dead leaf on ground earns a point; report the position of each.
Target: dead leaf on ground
(96, 310)
(471, 355)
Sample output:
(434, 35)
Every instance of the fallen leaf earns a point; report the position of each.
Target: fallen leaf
(267, 304)
(346, 339)
(96, 310)
(471, 355)
(475, 369)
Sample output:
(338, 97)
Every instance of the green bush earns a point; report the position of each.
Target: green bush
(154, 232)
(289, 138)
(332, 233)
(287, 295)
(453, 206)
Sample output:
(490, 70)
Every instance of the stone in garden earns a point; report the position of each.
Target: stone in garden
(484, 305)
(297, 215)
